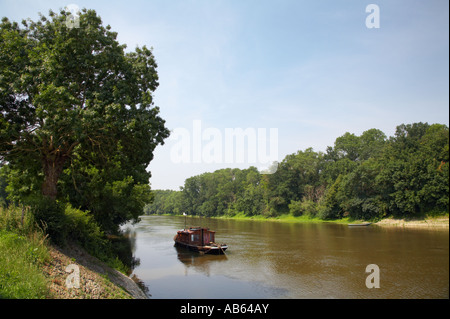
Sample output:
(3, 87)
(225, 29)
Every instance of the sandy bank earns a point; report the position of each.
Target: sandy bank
(438, 222)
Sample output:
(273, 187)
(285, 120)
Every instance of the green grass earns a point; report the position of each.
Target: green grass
(23, 249)
(287, 218)
(21, 277)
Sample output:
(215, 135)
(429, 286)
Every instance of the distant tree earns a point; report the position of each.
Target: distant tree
(294, 176)
(414, 174)
(371, 144)
(361, 177)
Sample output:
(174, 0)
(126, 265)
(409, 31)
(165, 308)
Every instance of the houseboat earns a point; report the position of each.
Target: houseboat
(199, 239)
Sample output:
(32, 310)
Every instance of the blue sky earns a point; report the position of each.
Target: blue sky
(311, 69)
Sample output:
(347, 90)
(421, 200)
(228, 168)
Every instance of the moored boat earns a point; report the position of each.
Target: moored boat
(361, 224)
(199, 239)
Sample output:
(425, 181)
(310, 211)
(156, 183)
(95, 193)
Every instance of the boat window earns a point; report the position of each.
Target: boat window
(195, 238)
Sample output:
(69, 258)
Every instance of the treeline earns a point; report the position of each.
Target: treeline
(364, 177)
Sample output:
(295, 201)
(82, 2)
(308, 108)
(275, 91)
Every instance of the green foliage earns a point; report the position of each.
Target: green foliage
(303, 208)
(361, 177)
(50, 217)
(65, 224)
(77, 119)
(82, 228)
(414, 178)
(251, 201)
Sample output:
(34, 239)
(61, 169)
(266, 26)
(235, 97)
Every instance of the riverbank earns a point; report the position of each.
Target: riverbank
(426, 222)
(287, 218)
(31, 267)
(96, 279)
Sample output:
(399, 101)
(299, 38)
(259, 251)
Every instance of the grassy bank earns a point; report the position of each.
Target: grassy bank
(21, 261)
(23, 252)
(33, 268)
(440, 221)
(287, 218)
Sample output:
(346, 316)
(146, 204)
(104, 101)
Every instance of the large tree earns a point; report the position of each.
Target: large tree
(72, 98)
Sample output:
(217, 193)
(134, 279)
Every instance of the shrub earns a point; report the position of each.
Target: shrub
(63, 224)
(50, 216)
(305, 207)
(295, 208)
(309, 208)
(82, 228)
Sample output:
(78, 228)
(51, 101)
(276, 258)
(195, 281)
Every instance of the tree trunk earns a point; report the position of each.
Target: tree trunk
(52, 170)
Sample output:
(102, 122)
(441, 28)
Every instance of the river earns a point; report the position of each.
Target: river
(291, 260)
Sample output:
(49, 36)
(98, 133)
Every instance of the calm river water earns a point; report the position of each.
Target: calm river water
(281, 260)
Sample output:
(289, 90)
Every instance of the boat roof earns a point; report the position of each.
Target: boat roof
(194, 228)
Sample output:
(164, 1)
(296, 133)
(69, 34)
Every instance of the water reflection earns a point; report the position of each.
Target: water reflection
(201, 263)
(124, 246)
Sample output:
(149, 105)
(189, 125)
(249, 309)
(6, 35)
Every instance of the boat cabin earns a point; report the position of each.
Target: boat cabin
(196, 236)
